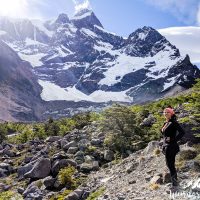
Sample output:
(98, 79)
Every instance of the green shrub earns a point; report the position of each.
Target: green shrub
(8, 195)
(185, 120)
(82, 120)
(62, 195)
(119, 122)
(3, 132)
(65, 177)
(51, 127)
(96, 194)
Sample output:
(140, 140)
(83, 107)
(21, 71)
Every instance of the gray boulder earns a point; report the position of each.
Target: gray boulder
(156, 180)
(149, 121)
(4, 187)
(3, 173)
(27, 159)
(151, 147)
(59, 164)
(89, 159)
(83, 143)
(59, 156)
(53, 138)
(41, 169)
(24, 169)
(7, 167)
(33, 192)
(72, 150)
(79, 154)
(63, 142)
(49, 182)
(8, 152)
(88, 167)
(96, 142)
(79, 157)
(70, 144)
(108, 155)
(73, 196)
(131, 167)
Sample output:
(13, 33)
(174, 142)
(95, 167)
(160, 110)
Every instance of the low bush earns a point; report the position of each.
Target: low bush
(65, 177)
(96, 194)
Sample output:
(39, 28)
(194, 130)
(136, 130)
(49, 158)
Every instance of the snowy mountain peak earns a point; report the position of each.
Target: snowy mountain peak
(86, 19)
(83, 12)
(145, 34)
(62, 19)
(147, 41)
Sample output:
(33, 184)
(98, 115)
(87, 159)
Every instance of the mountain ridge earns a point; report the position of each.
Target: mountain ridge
(79, 60)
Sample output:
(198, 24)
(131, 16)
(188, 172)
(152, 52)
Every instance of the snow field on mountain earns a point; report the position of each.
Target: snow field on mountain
(53, 92)
(2, 32)
(125, 64)
(34, 59)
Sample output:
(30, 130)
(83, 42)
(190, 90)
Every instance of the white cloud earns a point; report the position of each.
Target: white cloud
(21, 8)
(81, 4)
(13, 8)
(186, 39)
(184, 10)
(35, 9)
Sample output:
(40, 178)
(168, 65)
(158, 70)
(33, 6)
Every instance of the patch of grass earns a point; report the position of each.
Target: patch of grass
(154, 186)
(61, 196)
(96, 194)
(9, 180)
(141, 159)
(180, 164)
(53, 150)
(197, 148)
(39, 183)
(156, 152)
(8, 195)
(197, 158)
(91, 149)
(188, 154)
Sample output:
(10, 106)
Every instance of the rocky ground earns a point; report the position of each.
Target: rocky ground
(143, 175)
(30, 170)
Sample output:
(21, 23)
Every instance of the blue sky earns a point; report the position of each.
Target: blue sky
(119, 16)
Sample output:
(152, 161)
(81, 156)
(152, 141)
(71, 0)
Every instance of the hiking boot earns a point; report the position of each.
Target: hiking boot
(174, 180)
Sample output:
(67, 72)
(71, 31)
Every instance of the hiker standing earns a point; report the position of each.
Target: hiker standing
(170, 147)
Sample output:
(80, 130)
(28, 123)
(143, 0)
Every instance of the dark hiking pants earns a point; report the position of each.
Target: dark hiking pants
(170, 154)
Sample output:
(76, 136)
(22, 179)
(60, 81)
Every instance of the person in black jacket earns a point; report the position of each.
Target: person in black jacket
(170, 138)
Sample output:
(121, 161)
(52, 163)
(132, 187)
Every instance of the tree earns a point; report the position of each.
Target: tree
(3, 132)
(119, 122)
(51, 127)
(82, 120)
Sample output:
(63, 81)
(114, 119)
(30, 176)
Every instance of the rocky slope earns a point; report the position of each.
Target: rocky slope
(32, 170)
(78, 60)
(19, 90)
(143, 175)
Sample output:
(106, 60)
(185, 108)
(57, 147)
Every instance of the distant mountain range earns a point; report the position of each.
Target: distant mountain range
(79, 65)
